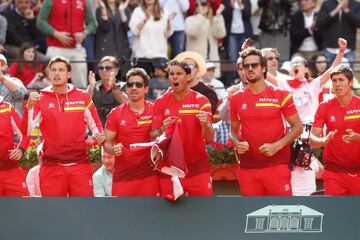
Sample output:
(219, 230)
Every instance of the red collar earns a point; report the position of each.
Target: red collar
(296, 83)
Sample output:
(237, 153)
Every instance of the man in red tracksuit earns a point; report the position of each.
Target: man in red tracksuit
(12, 177)
(63, 112)
(127, 124)
(192, 111)
(341, 116)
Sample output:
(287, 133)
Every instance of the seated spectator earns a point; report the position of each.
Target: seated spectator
(102, 178)
(272, 56)
(25, 68)
(209, 79)
(11, 88)
(158, 84)
(222, 131)
(106, 93)
(202, 31)
(317, 64)
(22, 28)
(40, 81)
(33, 176)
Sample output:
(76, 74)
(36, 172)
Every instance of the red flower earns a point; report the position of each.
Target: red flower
(230, 144)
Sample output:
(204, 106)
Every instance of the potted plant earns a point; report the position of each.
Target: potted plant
(223, 162)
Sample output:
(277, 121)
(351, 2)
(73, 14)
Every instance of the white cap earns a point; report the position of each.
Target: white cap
(210, 65)
(3, 58)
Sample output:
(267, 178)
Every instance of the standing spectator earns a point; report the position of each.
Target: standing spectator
(263, 141)
(341, 142)
(237, 16)
(12, 89)
(66, 24)
(159, 84)
(111, 35)
(151, 28)
(103, 177)
(306, 91)
(3, 29)
(198, 68)
(127, 124)
(25, 67)
(274, 25)
(339, 19)
(22, 28)
(63, 112)
(106, 93)
(12, 177)
(202, 31)
(305, 38)
(209, 79)
(177, 39)
(194, 114)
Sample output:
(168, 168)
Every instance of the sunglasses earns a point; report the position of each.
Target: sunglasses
(272, 58)
(252, 65)
(106, 67)
(192, 66)
(137, 84)
(296, 64)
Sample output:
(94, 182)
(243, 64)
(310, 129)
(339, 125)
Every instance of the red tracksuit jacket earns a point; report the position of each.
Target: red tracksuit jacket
(63, 119)
(9, 124)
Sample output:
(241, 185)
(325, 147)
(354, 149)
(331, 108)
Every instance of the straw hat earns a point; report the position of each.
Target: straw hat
(200, 61)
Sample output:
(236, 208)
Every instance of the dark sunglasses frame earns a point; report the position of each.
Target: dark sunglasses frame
(272, 58)
(252, 65)
(137, 84)
(106, 67)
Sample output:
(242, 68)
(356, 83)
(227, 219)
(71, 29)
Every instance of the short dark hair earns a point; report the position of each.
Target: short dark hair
(138, 72)
(60, 59)
(111, 59)
(186, 67)
(342, 68)
(256, 52)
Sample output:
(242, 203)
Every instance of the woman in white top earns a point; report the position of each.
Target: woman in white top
(151, 28)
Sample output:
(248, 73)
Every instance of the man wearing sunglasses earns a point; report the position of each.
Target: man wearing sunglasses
(127, 124)
(106, 93)
(259, 133)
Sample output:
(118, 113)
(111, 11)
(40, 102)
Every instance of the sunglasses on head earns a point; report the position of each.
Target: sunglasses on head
(192, 66)
(106, 67)
(137, 84)
(252, 65)
(272, 58)
(296, 64)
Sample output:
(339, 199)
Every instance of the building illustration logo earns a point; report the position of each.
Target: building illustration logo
(284, 219)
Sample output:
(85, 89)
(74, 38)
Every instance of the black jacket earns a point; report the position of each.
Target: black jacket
(246, 15)
(298, 32)
(275, 15)
(20, 29)
(332, 28)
